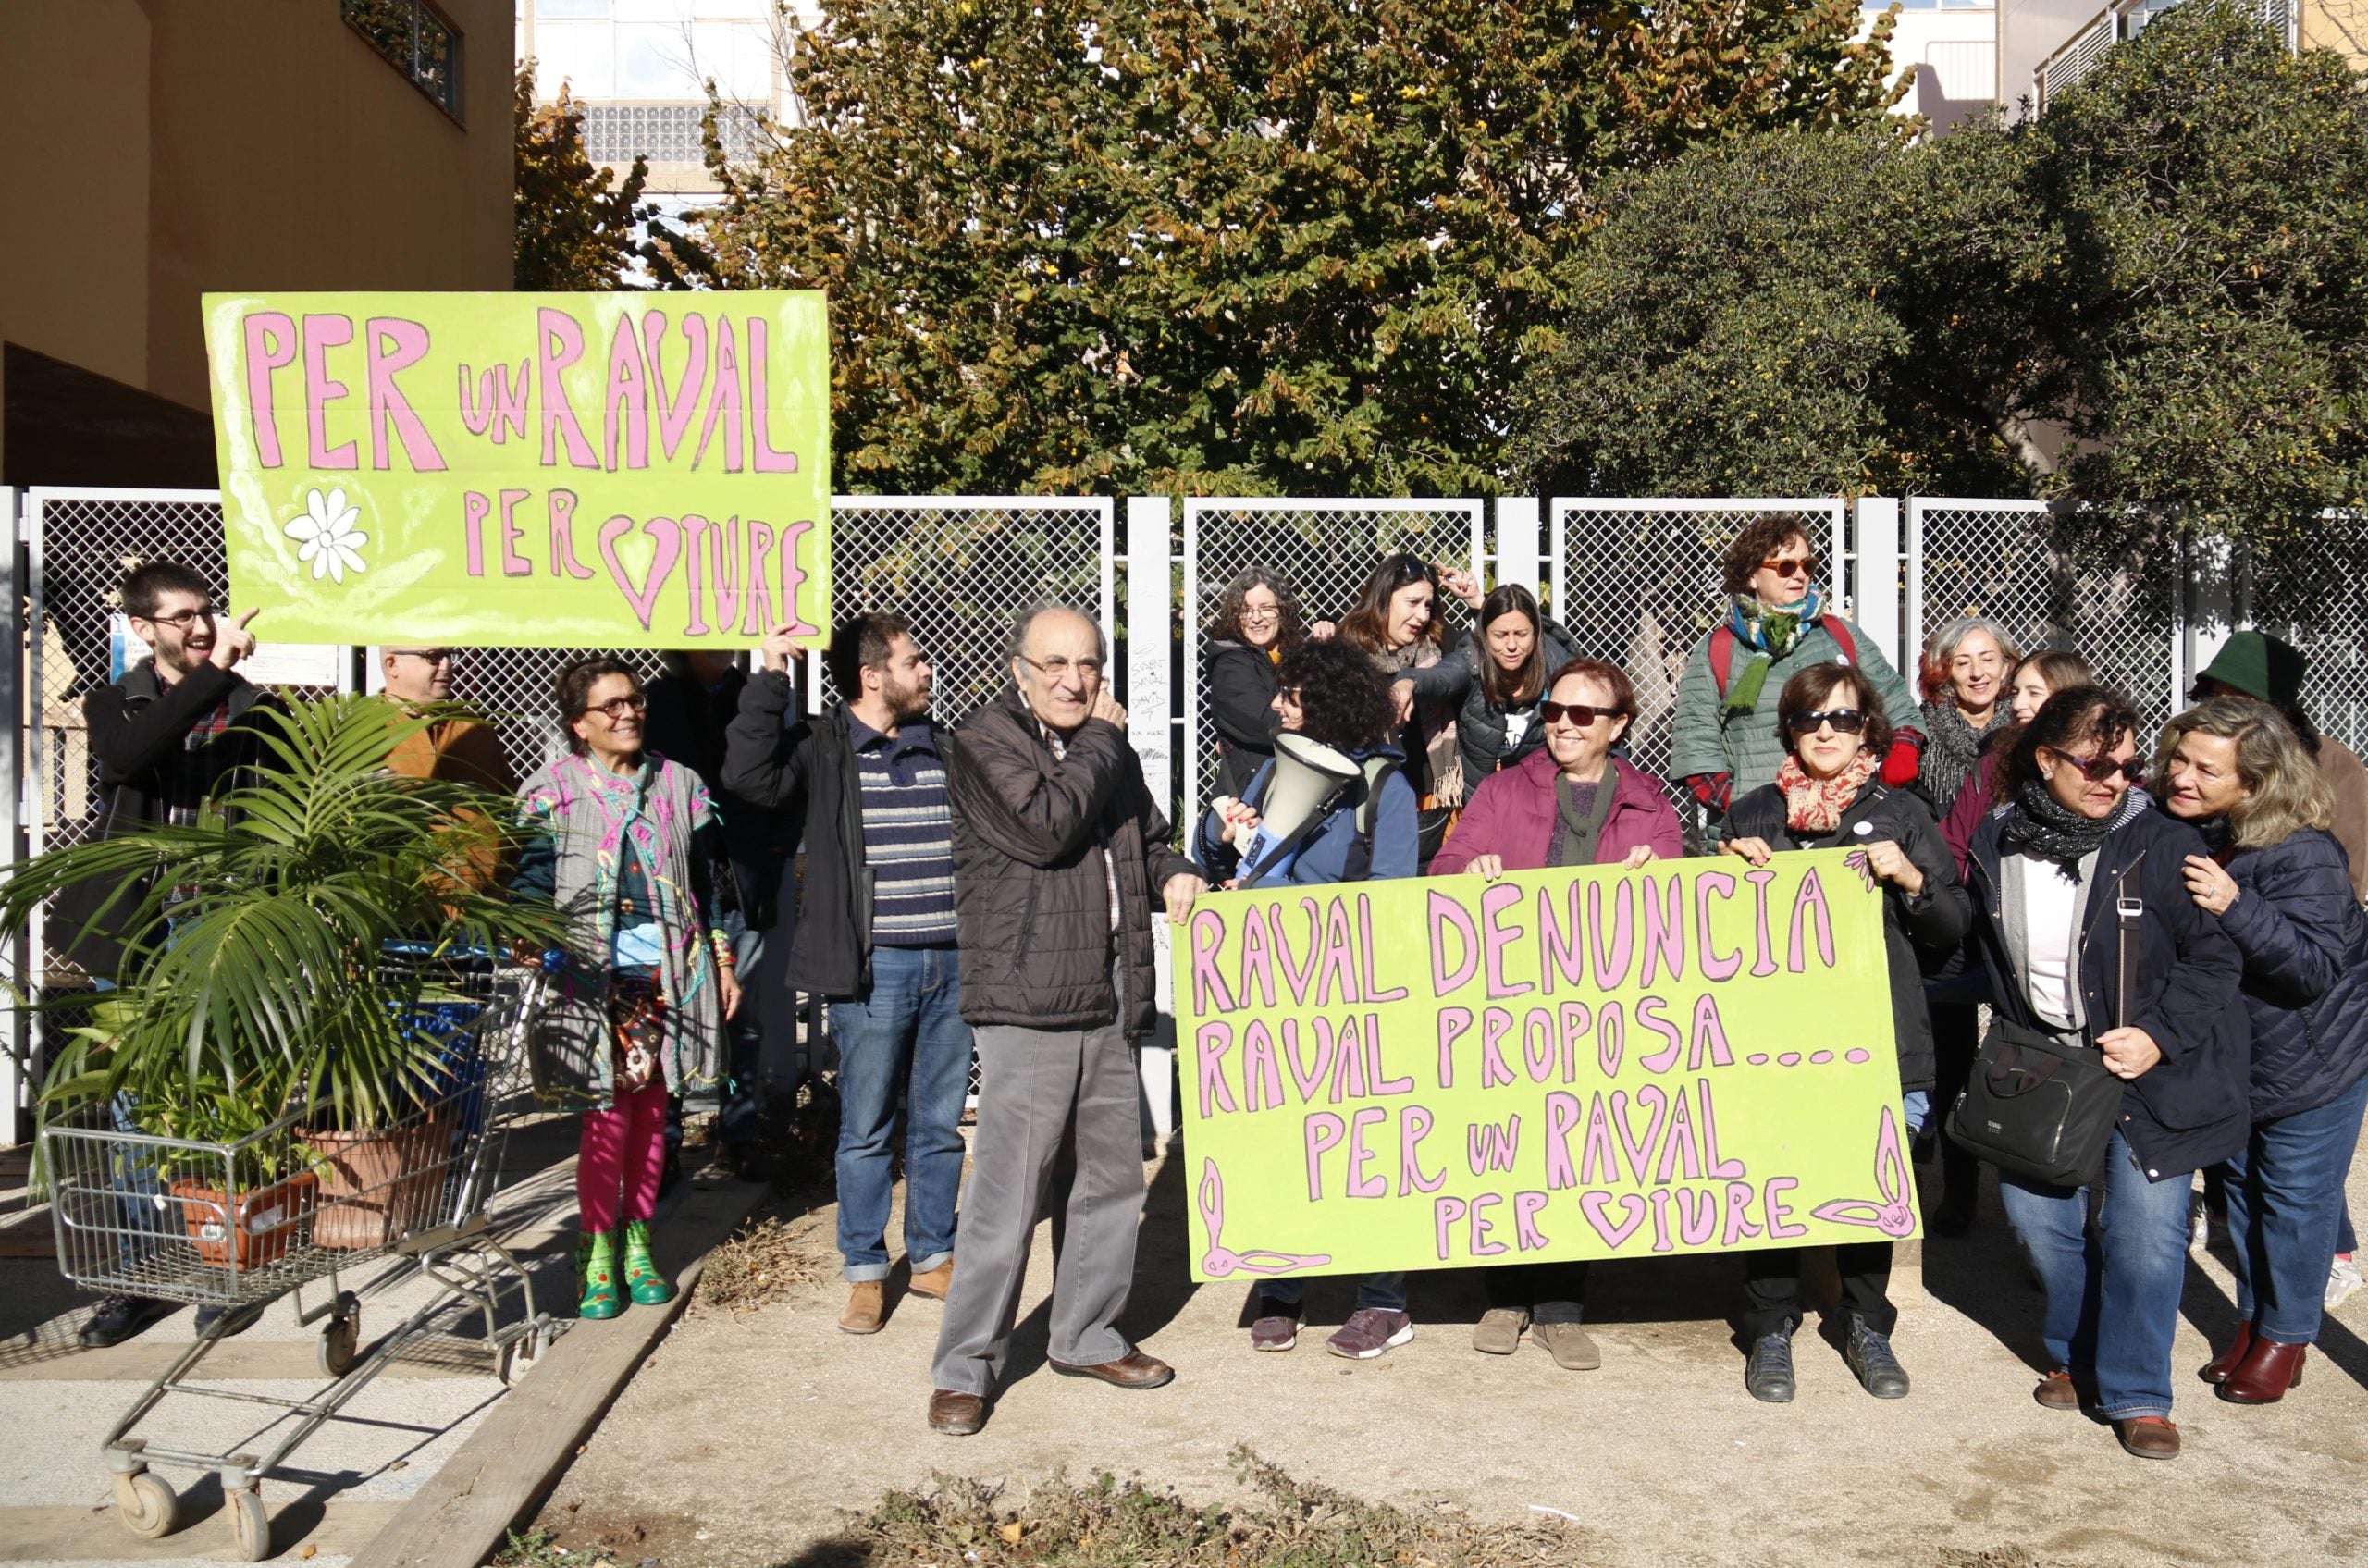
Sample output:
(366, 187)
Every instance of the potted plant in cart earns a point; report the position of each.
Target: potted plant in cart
(256, 983)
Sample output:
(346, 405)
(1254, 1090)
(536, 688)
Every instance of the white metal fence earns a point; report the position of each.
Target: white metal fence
(1636, 580)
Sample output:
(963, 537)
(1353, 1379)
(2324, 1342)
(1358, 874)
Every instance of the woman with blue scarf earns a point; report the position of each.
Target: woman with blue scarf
(1724, 745)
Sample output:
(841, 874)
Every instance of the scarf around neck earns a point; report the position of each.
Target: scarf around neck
(1953, 749)
(1813, 806)
(2046, 830)
(1767, 636)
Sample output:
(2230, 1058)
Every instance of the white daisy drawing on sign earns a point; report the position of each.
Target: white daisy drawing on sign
(326, 536)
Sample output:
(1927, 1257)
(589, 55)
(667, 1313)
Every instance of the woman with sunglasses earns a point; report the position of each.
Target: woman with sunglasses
(630, 851)
(1332, 694)
(2056, 874)
(1257, 625)
(1570, 803)
(1724, 743)
(1395, 625)
(1957, 999)
(1828, 794)
(2278, 882)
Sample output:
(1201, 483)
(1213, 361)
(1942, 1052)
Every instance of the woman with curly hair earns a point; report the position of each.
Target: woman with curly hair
(1774, 624)
(1332, 694)
(1258, 621)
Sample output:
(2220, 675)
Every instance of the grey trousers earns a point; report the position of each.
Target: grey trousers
(1041, 1092)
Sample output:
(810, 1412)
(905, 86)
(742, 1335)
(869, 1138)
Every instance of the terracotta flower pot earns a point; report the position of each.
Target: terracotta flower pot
(255, 1228)
(379, 1186)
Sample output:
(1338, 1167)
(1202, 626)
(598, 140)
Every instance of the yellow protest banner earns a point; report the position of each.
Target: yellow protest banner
(615, 470)
(1574, 1064)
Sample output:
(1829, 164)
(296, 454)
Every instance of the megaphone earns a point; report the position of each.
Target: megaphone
(1308, 777)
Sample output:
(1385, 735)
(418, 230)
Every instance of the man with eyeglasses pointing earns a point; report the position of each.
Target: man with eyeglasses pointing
(1060, 860)
(164, 737)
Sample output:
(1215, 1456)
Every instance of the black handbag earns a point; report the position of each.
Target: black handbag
(2038, 1107)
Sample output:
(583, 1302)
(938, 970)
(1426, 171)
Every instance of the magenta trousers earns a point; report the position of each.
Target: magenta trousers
(621, 1158)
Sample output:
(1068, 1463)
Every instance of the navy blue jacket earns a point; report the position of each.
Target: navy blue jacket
(1323, 853)
(2305, 946)
(2189, 1109)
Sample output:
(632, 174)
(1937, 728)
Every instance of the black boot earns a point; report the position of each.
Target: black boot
(117, 1318)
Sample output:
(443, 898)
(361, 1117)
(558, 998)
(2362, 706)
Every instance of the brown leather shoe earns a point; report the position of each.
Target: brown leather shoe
(2216, 1370)
(957, 1415)
(867, 1309)
(1133, 1370)
(2149, 1436)
(1570, 1346)
(937, 1284)
(2268, 1371)
(2056, 1392)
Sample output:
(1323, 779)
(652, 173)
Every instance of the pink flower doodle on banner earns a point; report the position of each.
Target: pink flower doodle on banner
(1857, 861)
(1219, 1260)
(1895, 1216)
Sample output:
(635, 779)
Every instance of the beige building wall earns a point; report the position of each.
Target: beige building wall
(168, 147)
(2339, 25)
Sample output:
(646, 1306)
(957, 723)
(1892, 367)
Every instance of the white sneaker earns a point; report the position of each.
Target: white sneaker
(2199, 1223)
(2343, 1280)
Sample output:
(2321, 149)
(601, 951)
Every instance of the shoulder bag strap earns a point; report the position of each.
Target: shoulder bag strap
(2130, 912)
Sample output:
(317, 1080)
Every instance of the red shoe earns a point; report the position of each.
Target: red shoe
(2216, 1370)
(2268, 1371)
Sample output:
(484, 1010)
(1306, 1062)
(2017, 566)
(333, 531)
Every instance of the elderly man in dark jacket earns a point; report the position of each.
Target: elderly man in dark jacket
(1058, 856)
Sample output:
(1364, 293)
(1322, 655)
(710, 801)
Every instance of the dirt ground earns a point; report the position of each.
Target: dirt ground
(751, 1439)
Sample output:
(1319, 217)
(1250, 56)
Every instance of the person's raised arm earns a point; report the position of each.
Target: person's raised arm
(763, 763)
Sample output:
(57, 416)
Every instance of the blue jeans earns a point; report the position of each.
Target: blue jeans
(903, 1039)
(2113, 1297)
(1383, 1292)
(2285, 1202)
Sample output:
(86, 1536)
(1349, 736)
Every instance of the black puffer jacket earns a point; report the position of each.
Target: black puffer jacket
(1030, 897)
(806, 773)
(1919, 932)
(2188, 1110)
(1480, 725)
(1238, 685)
(2305, 946)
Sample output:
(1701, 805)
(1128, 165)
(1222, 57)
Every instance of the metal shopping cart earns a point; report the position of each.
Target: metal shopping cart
(238, 1225)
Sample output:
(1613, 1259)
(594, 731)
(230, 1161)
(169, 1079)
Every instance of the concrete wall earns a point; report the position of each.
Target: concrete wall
(2028, 31)
(168, 147)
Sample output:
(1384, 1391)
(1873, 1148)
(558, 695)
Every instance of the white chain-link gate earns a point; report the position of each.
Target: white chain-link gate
(1325, 550)
(1639, 582)
(959, 568)
(2332, 632)
(2000, 558)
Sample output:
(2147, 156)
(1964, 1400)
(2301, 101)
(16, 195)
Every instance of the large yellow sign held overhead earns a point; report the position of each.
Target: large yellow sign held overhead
(1574, 1064)
(634, 470)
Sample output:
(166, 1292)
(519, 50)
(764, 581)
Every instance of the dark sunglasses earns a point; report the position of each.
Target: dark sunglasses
(1404, 568)
(1845, 721)
(1579, 713)
(1786, 566)
(2102, 769)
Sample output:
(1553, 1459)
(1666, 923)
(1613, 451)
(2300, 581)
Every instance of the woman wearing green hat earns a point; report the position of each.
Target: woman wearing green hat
(2266, 669)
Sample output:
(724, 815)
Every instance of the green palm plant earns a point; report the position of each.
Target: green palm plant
(256, 942)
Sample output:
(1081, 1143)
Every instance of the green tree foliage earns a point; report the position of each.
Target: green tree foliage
(1219, 245)
(2212, 189)
(574, 231)
(2153, 298)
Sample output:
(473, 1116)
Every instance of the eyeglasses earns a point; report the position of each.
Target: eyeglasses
(1288, 694)
(1790, 565)
(1845, 721)
(1060, 669)
(429, 655)
(1579, 713)
(2103, 770)
(183, 620)
(617, 708)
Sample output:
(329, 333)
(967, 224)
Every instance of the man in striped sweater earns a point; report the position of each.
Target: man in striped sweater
(876, 934)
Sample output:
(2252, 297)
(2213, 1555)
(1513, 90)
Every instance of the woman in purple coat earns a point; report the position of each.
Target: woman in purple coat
(1569, 804)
